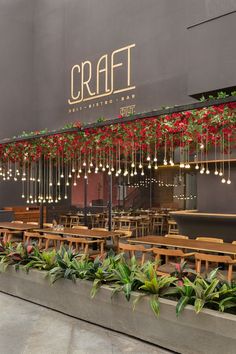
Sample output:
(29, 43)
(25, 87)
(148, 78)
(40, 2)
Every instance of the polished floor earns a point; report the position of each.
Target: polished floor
(26, 328)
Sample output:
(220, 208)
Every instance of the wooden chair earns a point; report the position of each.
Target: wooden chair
(210, 239)
(172, 227)
(55, 239)
(169, 267)
(127, 224)
(82, 244)
(47, 224)
(80, 227)
(74, 220)
(157, 224)
(177, 236)
(210, 258)
(34, 236)
(144, 226)
(124, 234)
(132, 250)
(64, 220)
(4, 234)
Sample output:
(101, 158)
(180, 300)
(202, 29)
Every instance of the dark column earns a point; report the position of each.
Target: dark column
(41, 207)
(85, 202)
(150, 190)
(110, 204)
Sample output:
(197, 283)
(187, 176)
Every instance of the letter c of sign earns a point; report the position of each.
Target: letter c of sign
(74, 71)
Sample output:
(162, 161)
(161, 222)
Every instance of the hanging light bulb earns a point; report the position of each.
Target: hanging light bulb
(140, 166)
(142, 173)
(165, 162)
(197, 167)
(228, 181)
(223, 180)
(220, 173)
(84, 163)
(149, 166)
(182, 165)
(207, 171)
(216, 172)
(202, 171)
(201, 146)
(187, 165)
(148, 158)
(155, 167)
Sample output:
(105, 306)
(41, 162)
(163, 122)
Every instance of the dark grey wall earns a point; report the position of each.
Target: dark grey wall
(214, 196)
(169, 62)
(16, 66)
(41, 40)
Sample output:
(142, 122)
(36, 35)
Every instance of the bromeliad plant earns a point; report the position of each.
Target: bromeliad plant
(125, 276)
(16, 256)
(155, 286)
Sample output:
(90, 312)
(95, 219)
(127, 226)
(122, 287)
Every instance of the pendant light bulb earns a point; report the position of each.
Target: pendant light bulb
(228, 181)
(165, 162)
(216, 173)
(181, 165)
(207, 171)
(197, 167)
(223, 180)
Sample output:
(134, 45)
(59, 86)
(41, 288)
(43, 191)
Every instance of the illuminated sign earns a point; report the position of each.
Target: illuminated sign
(110, 75)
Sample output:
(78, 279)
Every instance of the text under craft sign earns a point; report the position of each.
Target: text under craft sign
(107, 81)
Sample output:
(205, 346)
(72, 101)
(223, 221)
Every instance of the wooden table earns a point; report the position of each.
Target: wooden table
(16, 226)
(79, 233)
(226, 248)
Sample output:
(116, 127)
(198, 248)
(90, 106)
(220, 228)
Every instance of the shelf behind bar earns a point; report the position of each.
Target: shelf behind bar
(145, 115)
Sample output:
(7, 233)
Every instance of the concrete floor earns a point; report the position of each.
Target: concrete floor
(26, 328)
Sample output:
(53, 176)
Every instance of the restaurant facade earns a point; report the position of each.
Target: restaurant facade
(117, 169)
(80, 62)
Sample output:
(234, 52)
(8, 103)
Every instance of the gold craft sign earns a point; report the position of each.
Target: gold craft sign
(94, 85)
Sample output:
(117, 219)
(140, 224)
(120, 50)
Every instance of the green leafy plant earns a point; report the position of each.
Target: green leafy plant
(44, 260)
(127, 280)
(155, 286)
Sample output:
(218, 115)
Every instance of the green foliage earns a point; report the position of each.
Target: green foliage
(155, 286)
(124, 276)
(127, 277)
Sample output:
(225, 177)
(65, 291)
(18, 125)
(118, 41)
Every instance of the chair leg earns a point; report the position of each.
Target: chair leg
(230, 272)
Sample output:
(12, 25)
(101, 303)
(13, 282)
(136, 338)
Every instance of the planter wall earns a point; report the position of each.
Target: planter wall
(209, 332)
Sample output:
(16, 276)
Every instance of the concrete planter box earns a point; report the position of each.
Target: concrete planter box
(209, 332)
